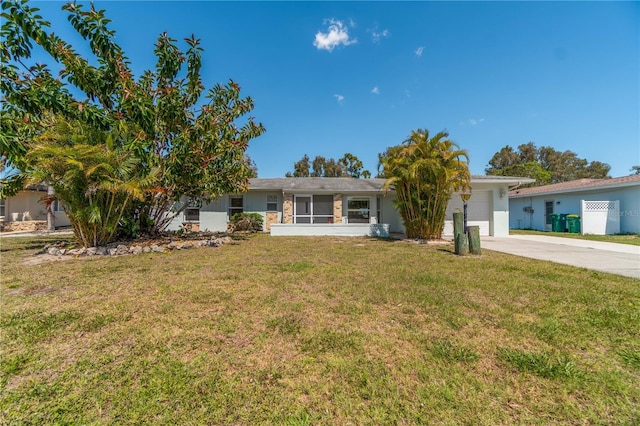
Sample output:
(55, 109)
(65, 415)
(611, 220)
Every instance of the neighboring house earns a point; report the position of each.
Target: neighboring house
(345, 206)
(25, 211)
(606, 206)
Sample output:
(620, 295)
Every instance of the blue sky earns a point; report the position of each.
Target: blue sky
(335, 77)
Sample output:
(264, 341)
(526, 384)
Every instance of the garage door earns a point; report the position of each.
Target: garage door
(478, 212)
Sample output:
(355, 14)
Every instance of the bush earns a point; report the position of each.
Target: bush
(249, 222)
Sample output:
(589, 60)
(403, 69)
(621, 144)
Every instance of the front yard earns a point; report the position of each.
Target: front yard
(315, 331)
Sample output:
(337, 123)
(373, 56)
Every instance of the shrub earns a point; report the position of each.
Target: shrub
(249, 222)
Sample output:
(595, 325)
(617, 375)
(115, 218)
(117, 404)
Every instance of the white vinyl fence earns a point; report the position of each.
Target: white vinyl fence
(600, 217)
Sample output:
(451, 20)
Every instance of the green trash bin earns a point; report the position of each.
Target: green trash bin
(557, 222)
(573, 223)
(563, 222)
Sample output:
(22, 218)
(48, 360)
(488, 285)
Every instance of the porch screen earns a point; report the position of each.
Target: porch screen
(323, 209)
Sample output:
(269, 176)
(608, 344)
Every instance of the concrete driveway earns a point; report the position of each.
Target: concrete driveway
(620, 259)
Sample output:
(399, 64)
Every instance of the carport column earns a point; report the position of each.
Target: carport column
(287, 208)
(337, 208)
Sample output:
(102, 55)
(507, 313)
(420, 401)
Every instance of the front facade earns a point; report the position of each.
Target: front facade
(344, 206)
(605, 206)
(26, 212)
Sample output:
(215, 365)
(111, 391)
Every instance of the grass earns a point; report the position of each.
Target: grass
(632, 239)
(300, 331)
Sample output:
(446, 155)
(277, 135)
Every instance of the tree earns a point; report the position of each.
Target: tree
(300, 168)
(352, 166)
(425, 171)
(635, 170)
(347, 166)
(94, 180)
(193, 151)
(544, 164)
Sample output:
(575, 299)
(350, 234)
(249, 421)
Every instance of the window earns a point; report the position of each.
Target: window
(358, 210)
(192, 215)
(548, 211)
(57, 206)
(379, 209)
(272, 203)
(2, 207)
(236, 204)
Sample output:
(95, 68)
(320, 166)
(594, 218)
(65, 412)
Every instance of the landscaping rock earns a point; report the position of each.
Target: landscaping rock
(160, 245)
(122, 249)
(156, 248)
(54, 251)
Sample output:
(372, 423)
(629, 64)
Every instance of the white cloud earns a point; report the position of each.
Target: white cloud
(419, 50)
(472, 121)
(375, 90)
(337, 34)
(340, 98)
(376, 36)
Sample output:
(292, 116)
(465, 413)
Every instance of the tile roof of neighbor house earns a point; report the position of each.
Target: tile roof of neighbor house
(348, 184)
(577, 185)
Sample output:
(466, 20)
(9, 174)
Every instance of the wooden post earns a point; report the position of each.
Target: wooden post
(457, 225)
(474, 239)
(461, 244)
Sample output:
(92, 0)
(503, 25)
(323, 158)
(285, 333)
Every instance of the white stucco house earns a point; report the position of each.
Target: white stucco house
(606, 206)
(26, 212)
(345, 206)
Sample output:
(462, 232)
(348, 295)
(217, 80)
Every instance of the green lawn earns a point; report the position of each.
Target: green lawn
(315, 331)
(632, 239)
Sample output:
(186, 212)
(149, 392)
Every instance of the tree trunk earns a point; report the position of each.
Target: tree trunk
(51, 219)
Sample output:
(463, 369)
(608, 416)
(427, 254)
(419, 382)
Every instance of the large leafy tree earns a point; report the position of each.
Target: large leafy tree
(347, 166)
(544, 164)
(425, 171)
(193, 148)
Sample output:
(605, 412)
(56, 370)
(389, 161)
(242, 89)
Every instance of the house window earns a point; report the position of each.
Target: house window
(192, 215)
(2, 207)
(379, 209)
(548, 211)
(236, 204)
(272, 203)
(358, 210)
(57, 206)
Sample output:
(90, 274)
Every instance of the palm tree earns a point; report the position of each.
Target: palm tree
(94, 181)
(425, 171)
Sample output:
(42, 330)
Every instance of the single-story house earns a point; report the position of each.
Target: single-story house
(26, 212)
(345, 206)
(606, 206)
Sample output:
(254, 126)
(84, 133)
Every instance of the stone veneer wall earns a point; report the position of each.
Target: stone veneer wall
(24, 226)
(272, 217)
(287, 208)
(337, 208)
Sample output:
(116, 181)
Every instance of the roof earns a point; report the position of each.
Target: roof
(348, 184)
(318, 184)
(577, 185)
